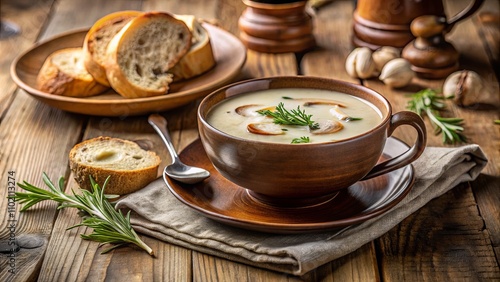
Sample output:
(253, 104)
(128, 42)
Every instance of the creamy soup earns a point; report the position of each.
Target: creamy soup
(332, 115)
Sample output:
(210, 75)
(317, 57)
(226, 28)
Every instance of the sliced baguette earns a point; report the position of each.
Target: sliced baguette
(97, 39)
(63, 73)
(200, 57)
(129, 167)
(140, 55)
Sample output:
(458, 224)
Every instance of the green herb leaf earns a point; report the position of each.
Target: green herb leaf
(427, 102)
(302, 139)
(290, 117)
(109, 225)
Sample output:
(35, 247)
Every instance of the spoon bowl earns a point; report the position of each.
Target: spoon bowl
(177, 170)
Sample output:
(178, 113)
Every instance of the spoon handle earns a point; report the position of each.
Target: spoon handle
(159, 123)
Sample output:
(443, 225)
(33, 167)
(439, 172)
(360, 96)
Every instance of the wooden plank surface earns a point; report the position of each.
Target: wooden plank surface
(487, 187)
(455, 237)
(436, 241)
(30, 20)
(427, 246)
(332, 31)
(24, 119)
(56, 132)
(172, 263)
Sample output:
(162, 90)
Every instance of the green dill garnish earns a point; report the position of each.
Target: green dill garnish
(290, 117)
(302, 139)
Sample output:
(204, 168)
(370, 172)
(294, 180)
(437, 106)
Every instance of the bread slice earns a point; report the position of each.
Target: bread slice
(129, 167)
(97, 40)
(140, 55)
(63, 73)
(200, 57)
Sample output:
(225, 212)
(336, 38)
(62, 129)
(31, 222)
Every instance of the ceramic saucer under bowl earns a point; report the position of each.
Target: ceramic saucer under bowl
(226, 202)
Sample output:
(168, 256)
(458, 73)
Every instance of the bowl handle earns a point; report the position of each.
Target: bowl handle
(398, 119)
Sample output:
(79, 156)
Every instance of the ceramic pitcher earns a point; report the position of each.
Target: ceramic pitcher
(387, 22)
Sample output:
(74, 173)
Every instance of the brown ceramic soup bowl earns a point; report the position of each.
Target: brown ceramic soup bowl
(304, 174)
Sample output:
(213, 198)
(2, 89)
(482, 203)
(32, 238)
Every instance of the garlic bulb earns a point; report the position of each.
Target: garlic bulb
(397, 73)
(464, 86)
(359, 63)
(383, 55)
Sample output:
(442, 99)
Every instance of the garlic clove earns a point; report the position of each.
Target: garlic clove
(383, 55)
(464, 87)
(397, 73)
(350, 64)
(359, 63)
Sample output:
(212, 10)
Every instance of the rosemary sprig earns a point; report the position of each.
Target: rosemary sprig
(429, 103)
(302, 139)
(109, 225)
(290, 117)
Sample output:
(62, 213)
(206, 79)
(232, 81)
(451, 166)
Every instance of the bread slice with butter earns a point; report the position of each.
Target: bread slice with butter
(63, 73)
(129, 167)
(139, 57)
(200, 57)
(97, 39)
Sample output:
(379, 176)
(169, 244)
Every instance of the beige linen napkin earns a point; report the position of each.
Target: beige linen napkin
(157, 213)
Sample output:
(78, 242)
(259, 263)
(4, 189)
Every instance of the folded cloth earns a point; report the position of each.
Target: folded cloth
(436, 171)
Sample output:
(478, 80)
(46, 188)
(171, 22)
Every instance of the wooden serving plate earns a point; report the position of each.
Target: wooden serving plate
(221, 200)
(229, 53)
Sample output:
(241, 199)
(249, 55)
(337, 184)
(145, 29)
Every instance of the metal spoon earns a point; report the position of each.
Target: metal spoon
(177, 170)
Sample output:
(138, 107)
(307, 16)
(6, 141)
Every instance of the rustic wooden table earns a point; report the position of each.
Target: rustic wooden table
(455, 237)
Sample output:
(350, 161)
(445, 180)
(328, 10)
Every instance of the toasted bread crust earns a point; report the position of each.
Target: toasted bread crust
(97, 39)
(155, 65)
(200, 58)
(53, 78)
(121, 180)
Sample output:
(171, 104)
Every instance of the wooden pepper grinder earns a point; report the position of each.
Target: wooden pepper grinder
(276, 26)
(430, 54)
